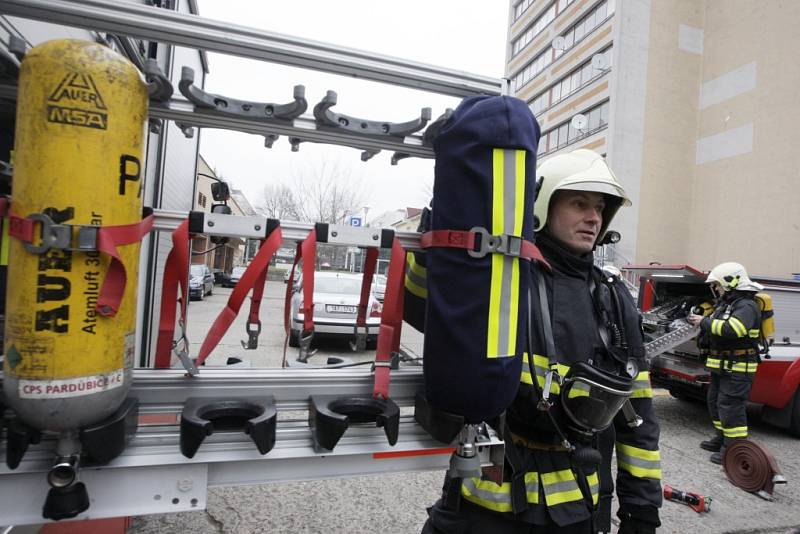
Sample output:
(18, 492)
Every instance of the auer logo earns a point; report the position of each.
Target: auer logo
(77, 89)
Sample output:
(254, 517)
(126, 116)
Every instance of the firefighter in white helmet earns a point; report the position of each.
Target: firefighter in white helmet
(564, 456)
(732, 332)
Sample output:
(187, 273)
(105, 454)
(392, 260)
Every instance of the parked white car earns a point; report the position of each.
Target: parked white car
(336, 299)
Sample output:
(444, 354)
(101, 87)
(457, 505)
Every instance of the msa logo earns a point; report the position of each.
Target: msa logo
(77, 90)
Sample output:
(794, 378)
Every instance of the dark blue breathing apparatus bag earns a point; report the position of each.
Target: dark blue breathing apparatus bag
(477, 258)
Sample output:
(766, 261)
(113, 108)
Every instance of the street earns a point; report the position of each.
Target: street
(396, 503)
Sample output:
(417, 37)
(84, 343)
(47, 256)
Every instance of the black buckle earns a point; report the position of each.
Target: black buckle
(252, 335)
(507, 244)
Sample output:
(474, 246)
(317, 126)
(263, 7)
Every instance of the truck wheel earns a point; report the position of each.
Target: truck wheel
(294, 338)
(794, 427)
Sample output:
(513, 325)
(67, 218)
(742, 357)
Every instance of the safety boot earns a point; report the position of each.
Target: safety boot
(714, 444)
(717, 457)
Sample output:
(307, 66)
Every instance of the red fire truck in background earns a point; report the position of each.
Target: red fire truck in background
(667, 293)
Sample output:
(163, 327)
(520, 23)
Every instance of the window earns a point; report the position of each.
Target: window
(584, 27)
(582, 76)
(565, 134)
(520, 8)
(534, 29)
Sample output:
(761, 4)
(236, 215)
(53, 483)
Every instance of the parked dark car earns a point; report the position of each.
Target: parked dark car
(220, 276)
(201, 281)
(234, 277)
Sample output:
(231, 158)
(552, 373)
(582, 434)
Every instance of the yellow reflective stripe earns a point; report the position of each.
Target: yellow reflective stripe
(594, 486)
(745, 367)
(519, 196)
(560, 487)
(495, 291)
(754, 333)
(416, 281)
(713, 363)
(4, 240)
(716, 326)
(519, 212)
(717, 424)
(525, 378)
(495, 299)
(498, 497)
(478, 492)
(641, 386)
(416, 268)
(641, 463)
(735, 432)
(737, 327)
(513, 312)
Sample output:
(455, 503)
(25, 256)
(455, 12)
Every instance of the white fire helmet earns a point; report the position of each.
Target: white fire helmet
(579, 170)
(732, 276)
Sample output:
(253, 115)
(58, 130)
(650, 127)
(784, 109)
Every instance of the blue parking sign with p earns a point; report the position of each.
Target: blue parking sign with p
(355, 221)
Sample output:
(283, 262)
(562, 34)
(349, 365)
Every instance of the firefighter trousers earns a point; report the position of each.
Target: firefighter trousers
(727, 401)
(474, 519)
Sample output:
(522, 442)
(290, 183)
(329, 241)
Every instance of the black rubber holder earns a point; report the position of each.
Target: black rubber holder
(202, 417)
(64, 503)
(107, 439)
(329, 416)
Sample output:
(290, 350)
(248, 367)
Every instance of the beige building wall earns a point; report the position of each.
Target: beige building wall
(747, 156)
(664, 213)
(703, 110)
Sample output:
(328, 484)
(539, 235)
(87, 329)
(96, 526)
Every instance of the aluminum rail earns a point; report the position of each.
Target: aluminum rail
(303, 127)
(254, 228)
(162, 25)
(152, 476)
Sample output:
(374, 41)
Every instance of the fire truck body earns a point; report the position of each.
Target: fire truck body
(666, 292)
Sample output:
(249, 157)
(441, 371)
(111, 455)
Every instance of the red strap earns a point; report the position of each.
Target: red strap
(391, 320)
(448, 238)
(258, 292)
(20, 227)
(287, 303)
(308, 253)
(175, 273)
(108, 238)
(466, 240)
(248, 280)
(366, 285)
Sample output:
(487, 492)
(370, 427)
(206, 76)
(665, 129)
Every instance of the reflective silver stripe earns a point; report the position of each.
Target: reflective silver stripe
(638, 462)
(499, 496)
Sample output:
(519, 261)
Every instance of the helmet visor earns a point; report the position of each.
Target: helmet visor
(591, 399)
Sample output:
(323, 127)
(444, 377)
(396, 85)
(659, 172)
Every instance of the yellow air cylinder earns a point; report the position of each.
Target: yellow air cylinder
(79, 160)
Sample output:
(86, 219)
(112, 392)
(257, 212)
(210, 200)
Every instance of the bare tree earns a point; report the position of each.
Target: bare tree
(327, 192)
(279, 201)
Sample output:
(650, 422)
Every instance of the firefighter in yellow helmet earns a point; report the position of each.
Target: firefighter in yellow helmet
(733, 331)
(563, 432)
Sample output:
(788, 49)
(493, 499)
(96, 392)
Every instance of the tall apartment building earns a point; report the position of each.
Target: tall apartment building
(694, 104)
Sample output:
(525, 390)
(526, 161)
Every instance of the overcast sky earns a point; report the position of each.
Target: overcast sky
(467, 35)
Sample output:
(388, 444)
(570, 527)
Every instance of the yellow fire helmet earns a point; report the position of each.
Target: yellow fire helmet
(579, 170)
(732, 276)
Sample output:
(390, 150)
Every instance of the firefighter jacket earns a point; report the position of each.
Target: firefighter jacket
(558, 491)
(732, 331)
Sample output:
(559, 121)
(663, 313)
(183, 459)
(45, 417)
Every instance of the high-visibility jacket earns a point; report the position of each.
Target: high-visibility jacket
(552, 482)
(733, 331)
